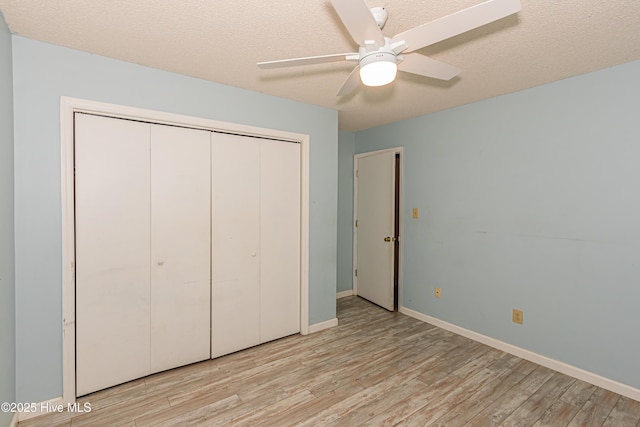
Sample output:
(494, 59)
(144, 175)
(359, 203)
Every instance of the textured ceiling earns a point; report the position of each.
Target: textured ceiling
(221, 41)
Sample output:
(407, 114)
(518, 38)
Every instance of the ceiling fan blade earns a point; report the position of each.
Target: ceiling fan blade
(306, 61)
(359, 21)
(457, 23)
(415, 63)
(351, 83)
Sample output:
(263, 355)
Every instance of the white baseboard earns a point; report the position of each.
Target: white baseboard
(344, 294)
(323, 325)
(14, 420)
(41, 409)
(545, 361)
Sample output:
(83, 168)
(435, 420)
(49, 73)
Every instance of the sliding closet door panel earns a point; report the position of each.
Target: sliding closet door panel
(180, 248)
(280, 239)
(235, 243)
(112, 251)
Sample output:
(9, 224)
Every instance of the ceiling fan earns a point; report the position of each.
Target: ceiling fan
(380, 57)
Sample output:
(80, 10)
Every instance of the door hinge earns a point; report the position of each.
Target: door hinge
(356, 222)
(357, 173)
(356, 272)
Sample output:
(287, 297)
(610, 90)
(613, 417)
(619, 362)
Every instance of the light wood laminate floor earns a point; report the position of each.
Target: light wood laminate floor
(375, 369)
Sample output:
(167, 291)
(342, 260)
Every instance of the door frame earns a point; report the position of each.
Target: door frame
(356, 157)
(70, 106)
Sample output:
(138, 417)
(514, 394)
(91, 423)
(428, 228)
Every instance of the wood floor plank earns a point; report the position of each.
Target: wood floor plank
(302, 413)
(534, 407)
(376, 368)
(354, 401)
(508, 371)
(50, 420)
(120, 414)
(426, 398)
(437, 408)
(270, 414)
(567, 406)
(187, 412)
(596, 410)
(626, 413)
(495, 413)
(362, 415)
(226, 416)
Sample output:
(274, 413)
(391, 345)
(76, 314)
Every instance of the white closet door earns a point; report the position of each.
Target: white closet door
(235, 243)
(279, 239)
(180, 248)
(112, 251)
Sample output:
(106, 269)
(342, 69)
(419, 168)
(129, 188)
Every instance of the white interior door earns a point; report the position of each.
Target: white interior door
(279, 239)
(180, 246)
(375, 202)
(235, 243)
(112, 251)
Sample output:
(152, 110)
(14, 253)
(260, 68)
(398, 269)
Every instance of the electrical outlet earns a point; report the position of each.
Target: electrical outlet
(438, 292)
(518, 316)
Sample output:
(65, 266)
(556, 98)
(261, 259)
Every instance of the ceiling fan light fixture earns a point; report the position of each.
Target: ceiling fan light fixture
(378, 55)
(378, 69)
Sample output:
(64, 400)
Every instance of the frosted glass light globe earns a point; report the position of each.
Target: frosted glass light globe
(378, 73)
(378, 68)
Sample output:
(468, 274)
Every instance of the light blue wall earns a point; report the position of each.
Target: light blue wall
(7, 288)
(530, 200)
(346, 147)
(42, 74)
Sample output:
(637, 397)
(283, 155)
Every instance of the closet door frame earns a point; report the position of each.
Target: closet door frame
(68, 108)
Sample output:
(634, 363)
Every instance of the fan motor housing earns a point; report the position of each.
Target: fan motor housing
(379, 56)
